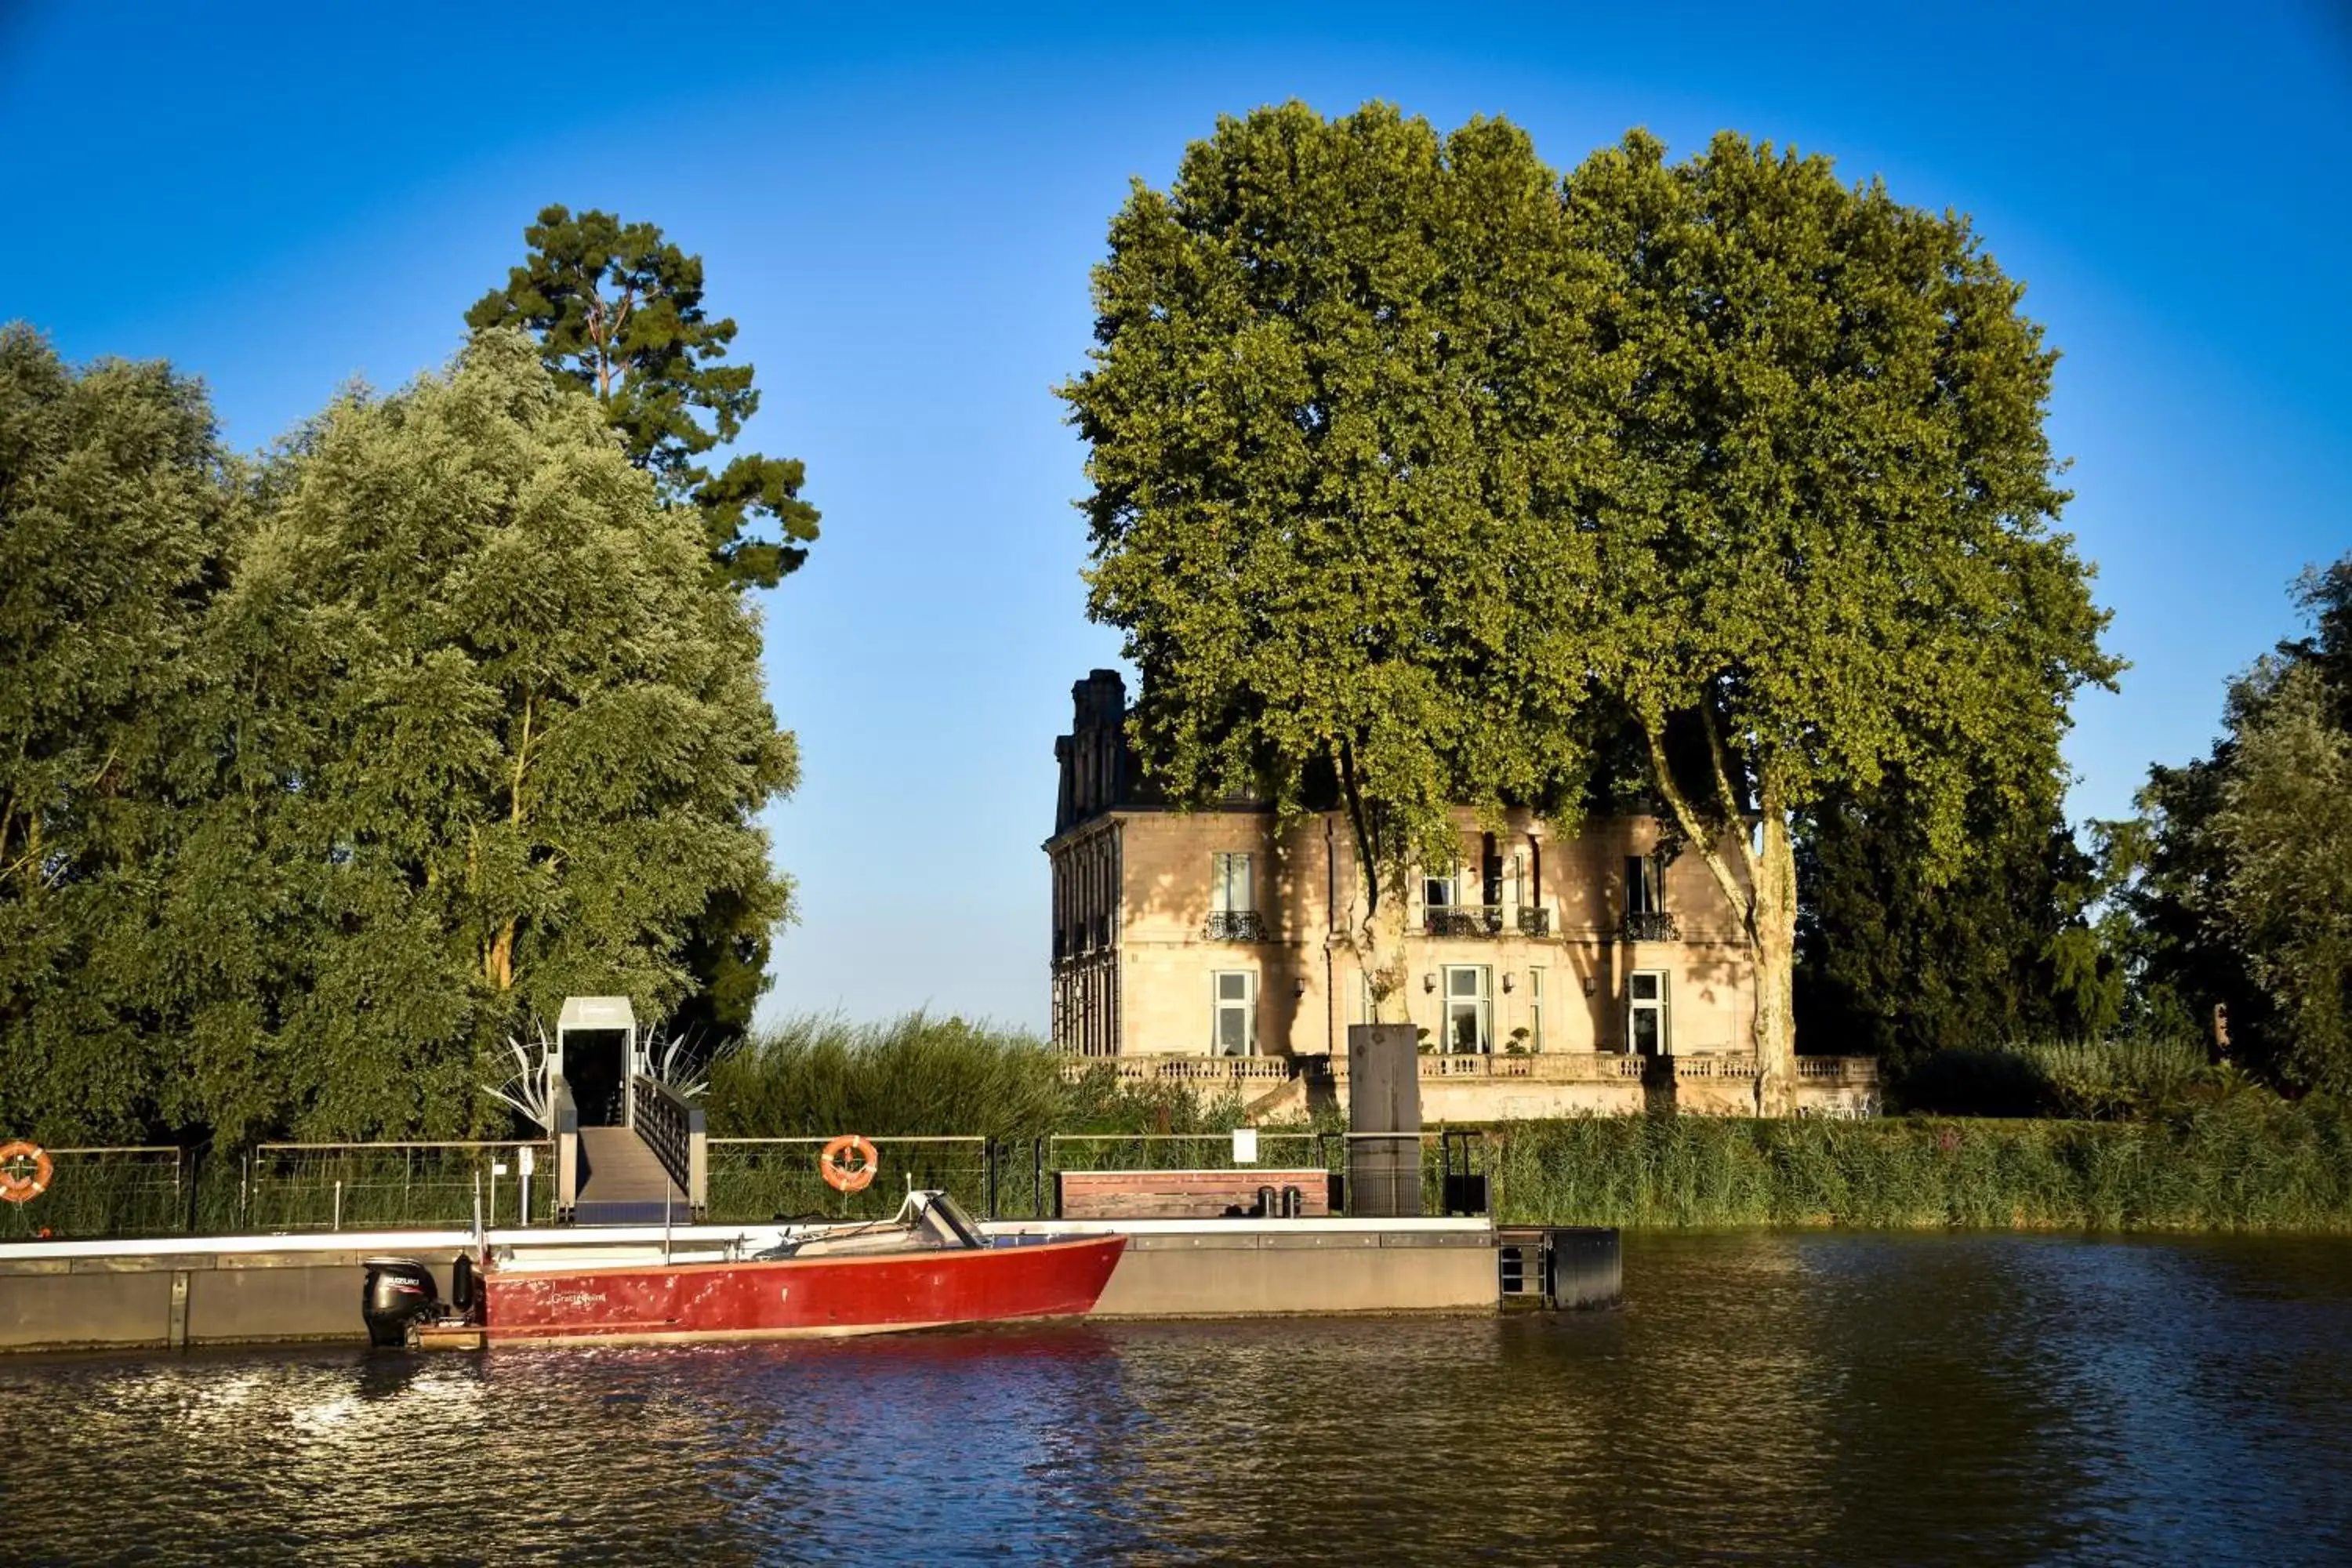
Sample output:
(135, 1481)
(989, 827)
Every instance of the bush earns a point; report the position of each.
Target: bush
(2121, 1076)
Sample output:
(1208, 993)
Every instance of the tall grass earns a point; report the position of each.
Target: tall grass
(823, 1074)
(2248, 1163)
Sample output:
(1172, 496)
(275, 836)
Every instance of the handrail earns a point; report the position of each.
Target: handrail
(672, 1127)
(564, 1111)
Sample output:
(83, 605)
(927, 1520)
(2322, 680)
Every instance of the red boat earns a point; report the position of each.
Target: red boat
(931, 1267)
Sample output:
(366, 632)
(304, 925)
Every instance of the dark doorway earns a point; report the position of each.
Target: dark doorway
(593, 1065)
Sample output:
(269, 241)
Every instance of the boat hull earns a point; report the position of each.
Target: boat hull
(808, 1298)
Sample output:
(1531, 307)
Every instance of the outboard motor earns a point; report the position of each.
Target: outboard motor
(399, 1291)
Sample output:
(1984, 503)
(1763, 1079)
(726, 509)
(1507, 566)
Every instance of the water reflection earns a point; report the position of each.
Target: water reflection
(1834, 1397)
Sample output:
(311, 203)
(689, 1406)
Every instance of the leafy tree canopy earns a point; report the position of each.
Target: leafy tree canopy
(117, 511)
(2237, 873)
(476, 730)
(1331, 414)
(618, 310)
(1414, 464)
(1825, 537)
(1899, 964)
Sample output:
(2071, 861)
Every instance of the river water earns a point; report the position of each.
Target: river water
(1821, 1396)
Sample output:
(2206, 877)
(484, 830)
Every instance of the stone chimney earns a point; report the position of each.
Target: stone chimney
(1096, 768)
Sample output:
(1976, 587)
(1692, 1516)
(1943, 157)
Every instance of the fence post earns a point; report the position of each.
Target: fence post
(1037, 1177)
(988, 1175)
(339, 1203)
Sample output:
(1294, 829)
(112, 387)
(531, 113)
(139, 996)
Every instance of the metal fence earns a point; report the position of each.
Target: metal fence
(755, 1180)
(163, 1191)
(355, 1186)
(118, 1190)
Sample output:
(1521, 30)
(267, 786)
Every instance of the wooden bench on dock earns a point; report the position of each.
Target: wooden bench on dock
(1186, 1194)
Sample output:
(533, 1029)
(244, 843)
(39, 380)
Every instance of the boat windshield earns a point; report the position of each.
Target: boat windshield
(941, 1221)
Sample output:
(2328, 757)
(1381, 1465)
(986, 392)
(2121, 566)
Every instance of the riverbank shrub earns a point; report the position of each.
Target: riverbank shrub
(2248, 1163)
(2123, 1075)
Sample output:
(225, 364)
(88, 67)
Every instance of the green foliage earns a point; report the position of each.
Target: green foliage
(2237, 874)
(818, 1076)
(617, 310)
(1333, 441)
(2131, 1073)
(2250, 1163)
(493, 738)
(1420, 477)
(1894, 965)
(2285, 831)
(117, 508)
(317, 783)
(1826, 535)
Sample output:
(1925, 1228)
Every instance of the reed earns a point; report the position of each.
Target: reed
(2250, 1163)
(817, 1076)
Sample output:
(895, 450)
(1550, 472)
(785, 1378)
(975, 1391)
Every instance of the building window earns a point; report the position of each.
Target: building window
(1233, 1022)
(1437, 890)
(1534, 1008)
(1233, 901)
(1230, 893)
(1646, 1018)
(1469, 1008)
(1646, 885)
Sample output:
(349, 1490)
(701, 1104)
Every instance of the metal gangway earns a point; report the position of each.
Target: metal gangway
(630, 1149)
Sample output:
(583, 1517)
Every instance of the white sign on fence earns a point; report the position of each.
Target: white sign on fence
(1244, 1145)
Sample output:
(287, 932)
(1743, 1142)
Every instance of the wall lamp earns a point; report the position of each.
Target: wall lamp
(1429, 983)
(1507, 982)
(1590, 985)
(1299, 986)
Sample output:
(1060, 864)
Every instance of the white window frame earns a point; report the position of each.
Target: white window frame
(1220, 1005)
(1481, 999)
(1536, 1007)
(1662, 1004)
(1230, 873)
(1451, 883)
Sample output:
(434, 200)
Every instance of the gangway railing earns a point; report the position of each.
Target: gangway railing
(563, 1113)
(672, 1127)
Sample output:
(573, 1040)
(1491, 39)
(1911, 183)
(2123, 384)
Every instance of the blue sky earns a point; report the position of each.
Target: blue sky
(900, 209)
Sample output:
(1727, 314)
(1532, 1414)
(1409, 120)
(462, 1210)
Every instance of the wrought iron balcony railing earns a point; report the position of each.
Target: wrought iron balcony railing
(1650, 925)
(1535, 922)
(1464, 920)
(1236, 925)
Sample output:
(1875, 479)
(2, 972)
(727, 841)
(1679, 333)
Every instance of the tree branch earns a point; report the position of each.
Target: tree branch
(1742, 902)
(1722, 781)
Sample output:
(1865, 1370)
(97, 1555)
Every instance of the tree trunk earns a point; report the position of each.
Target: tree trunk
(497, 961)
(1772, 938)
(1379, 948)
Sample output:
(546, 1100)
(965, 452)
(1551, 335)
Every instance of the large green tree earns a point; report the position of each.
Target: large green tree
(2237, 874)
(494, 735)
(117, 508)
(1825, 541)
(1332, 415)
(618, 312)
(1416, 468)
(1896, 964)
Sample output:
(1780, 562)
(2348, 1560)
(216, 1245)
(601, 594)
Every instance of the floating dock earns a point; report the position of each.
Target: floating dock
(180, 1291)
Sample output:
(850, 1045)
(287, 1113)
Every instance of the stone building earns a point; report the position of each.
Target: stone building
(1546, 973)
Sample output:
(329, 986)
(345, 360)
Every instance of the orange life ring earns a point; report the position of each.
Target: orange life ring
(18, 1185)
(842, 1176)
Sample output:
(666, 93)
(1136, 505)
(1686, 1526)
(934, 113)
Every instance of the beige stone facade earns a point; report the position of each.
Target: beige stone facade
(1223, 933)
